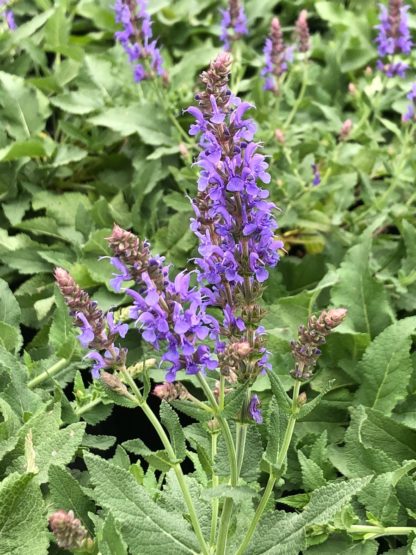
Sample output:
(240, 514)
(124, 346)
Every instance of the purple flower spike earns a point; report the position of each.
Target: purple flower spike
(137, 39)
(254, 409)
(393, 37)
(233, 23)
(277, 56)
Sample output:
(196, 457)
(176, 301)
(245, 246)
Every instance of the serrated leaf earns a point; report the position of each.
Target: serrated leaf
(276, 426)
(145, 527)
(358, 291)
(238, 494)
(234, 401)
(278, 390)
(312, 474)
(9, 307)
(171, 422)
(110, 541)
(386, 367)
(22, 524)
(306, 409)
(66, 493)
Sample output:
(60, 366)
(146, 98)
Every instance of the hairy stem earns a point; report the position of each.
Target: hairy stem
(49, 373)
(275, 474)
(171, 454)
(214, 483)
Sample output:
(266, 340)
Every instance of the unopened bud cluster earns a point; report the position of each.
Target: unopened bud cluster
(306, 349)
(68, 530)
(171, 391)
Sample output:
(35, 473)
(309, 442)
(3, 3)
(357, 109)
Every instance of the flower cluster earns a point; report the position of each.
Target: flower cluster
(306, 349)
(169, 313)
(68, 531)
(316, 175)
(8, 16)
(411, 112)
(233, 23)
(302, 32)
(233, 220)
(393, 37)
(98, 332)
(137, 39)
(276, 55)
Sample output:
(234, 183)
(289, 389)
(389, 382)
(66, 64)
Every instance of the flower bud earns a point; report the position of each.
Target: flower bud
(68, 530)
(279, 136)
(352, 89)
(302, 399)
(171, 391)
(114, 383)
(345, 129)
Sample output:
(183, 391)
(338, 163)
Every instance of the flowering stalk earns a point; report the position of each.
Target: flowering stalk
(277, 56)
(170, 314)
(302, 32)
(305, 354)
(97, 331)
(137, 39)
(233, 222)
(393, 38)
(233, 23)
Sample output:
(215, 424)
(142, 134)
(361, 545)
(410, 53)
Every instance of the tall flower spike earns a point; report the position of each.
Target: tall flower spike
(137, 39)
(393, 37)
(302, 32)
(170, 314)
(276, 57)
(233, 23)
(233, 220)
(306, 349)
(97, 331)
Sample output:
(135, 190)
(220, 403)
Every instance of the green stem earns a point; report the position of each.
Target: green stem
(299, 99)
(240, 444)
(47, 374)
(228, 503)
(214, 482)
(380, 530)
(276, 474)
(79, 411)
(171, 454)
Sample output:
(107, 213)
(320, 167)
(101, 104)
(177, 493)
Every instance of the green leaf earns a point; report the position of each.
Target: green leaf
(135, 119)
(234, 401)
(144, 526)
(170, 420)
(110, 541)
(276, 426)
(62, 333)
(238, 494)
(312, 474)
(306, 409)
(10, 337)
(278, 391)
(358, 291)
(9, 307)
(386, 367)
(22, 523)
(66, 493)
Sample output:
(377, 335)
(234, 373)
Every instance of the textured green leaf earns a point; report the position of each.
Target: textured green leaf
(145, 527)
(312, 474)
(234, 400)
(110, 541)
(9, 307)
(276, 425)
(386, 367)
(359, 292)
(279, 391)
(171, 422)
(66, 493)
(22, 522)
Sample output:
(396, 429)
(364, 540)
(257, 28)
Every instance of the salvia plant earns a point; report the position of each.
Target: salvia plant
(207, 285)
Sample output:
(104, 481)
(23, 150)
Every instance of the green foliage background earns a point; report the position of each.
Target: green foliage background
(82, 146)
